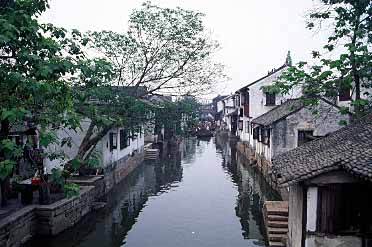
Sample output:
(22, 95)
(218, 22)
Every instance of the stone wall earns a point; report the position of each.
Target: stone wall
(117, 171)
(285, 132)
(17, 228)
(52, 219)
(57, 217)
(262, 165)
(333, 241)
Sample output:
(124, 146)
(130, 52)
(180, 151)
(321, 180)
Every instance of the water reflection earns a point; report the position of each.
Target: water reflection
(201, 194)
(253, 189)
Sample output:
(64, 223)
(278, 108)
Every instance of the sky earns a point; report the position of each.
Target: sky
(255, 35)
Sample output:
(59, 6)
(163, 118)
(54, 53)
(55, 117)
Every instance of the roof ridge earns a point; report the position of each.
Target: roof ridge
(264, 77)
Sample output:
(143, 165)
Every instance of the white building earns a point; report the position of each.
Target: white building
(228, 105)
(116, 145)
(252, 102)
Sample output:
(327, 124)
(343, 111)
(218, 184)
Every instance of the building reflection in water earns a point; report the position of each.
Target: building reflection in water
(110, 226)
(125, 202)
(252, 188)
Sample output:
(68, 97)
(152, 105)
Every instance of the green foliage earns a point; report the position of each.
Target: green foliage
(37, 64)
(10, 153)
(351, 63)
(165, 50)
(6, 168)
(71, 190)
(57, 178)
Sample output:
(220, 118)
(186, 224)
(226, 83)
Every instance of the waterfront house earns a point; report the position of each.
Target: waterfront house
(252, 102)
(115, 147)
(218, 110)
(330, 188)
(229, 119)
(290, 125)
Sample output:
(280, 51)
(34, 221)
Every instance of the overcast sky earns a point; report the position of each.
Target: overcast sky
(255, 35)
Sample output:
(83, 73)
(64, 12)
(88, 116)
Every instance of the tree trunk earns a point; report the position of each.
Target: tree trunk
(4, 193)
(4, 133)
(354, 69)
(89, 142)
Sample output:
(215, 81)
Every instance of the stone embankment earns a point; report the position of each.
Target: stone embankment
(52, 219)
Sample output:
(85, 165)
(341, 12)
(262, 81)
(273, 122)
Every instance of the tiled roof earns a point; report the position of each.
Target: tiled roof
(348, 149)
(279, 112)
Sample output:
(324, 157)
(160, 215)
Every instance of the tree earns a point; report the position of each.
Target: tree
(36, 62)
(350, 66)
(164, 51)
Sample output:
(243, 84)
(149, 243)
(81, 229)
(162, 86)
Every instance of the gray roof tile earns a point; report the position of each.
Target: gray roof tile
(279, 112)
(349, 149)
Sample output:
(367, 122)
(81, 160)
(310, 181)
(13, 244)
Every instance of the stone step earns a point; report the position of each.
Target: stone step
(277, 224)
(277, 237)
(277, 230)
(151, 158)
(276, 244)
(273, 217)
(278, 213)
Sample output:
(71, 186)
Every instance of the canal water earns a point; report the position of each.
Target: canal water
(202, 195)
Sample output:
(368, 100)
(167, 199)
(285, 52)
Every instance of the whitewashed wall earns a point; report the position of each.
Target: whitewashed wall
(109, 157)
(103, 147)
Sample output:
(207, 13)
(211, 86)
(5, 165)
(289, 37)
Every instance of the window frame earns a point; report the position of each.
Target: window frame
(266, 136)
(270, 99)
(344, 94)
(306, 138)
(246, 129)
(240, 125)
(113, 140)
(124, 139)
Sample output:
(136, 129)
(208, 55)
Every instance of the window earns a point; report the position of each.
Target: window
(246, 110)
(259, 134)
(241, 112)
(304, 136)
(266, 136)
(344, 208)
(270, 99)
(237, 100)
(140, 131)
(113, 141)
(124, 139)
(255, 133)
(240, 124)
(344, 94)
(247, 127)
(244, 97)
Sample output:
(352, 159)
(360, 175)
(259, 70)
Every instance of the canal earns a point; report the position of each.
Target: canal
(202, 195)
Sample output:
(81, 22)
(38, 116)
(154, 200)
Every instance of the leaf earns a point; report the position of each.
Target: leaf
(6, 168)
(47, 138)
(76, 164)
(71, 190)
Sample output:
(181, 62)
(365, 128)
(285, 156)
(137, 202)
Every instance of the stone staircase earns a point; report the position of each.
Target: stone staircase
(276, 222)
(151, 154)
